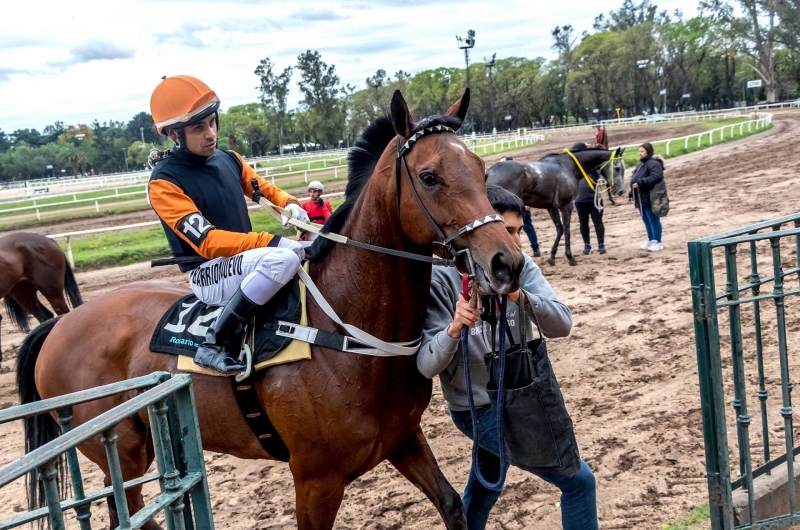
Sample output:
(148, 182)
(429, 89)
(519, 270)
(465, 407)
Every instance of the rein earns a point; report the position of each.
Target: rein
(380, 347)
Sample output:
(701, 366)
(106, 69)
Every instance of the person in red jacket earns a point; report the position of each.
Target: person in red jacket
(317, 208)
(601, 137)
(198, 192)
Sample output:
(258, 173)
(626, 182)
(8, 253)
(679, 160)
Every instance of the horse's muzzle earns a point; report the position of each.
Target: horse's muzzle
(504, 274)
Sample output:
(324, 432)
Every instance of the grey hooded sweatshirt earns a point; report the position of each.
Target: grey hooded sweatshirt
(442, 355)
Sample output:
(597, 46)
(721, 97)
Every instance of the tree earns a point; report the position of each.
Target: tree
(5, 142)
(30, 137)
(756, 33)
(274, 91)
(142, 120)
(320, 87)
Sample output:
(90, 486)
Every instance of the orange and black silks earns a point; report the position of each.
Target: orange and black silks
(201, 204)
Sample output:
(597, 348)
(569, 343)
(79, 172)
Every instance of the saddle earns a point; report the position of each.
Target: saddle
(183, 327)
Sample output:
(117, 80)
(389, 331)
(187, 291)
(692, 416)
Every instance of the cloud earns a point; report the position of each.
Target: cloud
(6, 73)
(95, 50)
(187, 35)
(365, 47)
(15, 42)
(313, 15)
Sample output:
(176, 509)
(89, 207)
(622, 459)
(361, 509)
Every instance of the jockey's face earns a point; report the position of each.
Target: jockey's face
(513, 222)
(314, 194)
(201, 137)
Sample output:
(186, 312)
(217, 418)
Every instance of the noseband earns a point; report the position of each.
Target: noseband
(444, 241)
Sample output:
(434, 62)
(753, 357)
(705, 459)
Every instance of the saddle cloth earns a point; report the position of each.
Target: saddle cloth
(183, 327)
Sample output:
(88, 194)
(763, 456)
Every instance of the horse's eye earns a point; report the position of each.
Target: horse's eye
(429, 179)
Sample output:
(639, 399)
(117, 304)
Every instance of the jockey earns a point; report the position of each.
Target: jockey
(198, 193)
(317, 208)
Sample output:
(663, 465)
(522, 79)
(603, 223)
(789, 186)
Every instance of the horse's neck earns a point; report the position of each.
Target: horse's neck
(383, 295)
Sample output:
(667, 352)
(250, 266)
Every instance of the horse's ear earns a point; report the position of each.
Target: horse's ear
(459, 108)
(401, 117)
(620, 152)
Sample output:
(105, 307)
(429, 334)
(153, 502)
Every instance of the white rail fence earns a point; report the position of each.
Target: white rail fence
(762, 120)
(69, 235)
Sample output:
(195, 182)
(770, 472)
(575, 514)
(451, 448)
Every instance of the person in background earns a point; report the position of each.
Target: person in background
(584, 204)
(601, 136)
(647, 174)
(317, 208)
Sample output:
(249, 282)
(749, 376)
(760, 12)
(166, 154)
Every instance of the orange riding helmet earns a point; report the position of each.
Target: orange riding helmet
(181, 99)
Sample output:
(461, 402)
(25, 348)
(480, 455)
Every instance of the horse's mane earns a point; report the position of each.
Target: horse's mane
(361, 162)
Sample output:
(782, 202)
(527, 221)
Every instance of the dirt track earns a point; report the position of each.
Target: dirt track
(628, 369)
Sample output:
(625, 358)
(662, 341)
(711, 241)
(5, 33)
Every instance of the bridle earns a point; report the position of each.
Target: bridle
(444, 241)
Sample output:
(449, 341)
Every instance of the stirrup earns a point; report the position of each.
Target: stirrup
(246, 353)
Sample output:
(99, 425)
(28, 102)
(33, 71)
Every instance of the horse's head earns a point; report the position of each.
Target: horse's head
(618, 168)
(442, 191)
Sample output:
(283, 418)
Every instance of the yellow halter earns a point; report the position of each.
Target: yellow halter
(583, 172)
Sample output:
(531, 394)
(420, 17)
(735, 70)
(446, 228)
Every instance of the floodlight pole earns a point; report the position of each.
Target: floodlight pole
(466, 45)
(490, 66)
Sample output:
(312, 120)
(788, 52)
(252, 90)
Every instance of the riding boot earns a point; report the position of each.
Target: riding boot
(217, 351)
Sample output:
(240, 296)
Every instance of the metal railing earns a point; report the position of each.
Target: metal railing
(750, 371)
(175, 433)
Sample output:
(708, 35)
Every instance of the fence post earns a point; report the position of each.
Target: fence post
(699, 138)
(97, 206)
(686, 144)
(722, 134)
(38, 215)
(74, 197)
(305, 175)
(336, 172)
(668, 141)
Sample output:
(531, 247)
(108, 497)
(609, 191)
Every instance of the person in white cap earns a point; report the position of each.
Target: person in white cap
(317, 208)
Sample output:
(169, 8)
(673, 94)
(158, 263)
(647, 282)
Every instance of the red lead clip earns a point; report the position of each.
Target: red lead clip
(465, 286)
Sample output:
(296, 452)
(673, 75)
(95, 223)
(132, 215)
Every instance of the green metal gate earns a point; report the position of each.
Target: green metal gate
(176, 439)
(757, 367)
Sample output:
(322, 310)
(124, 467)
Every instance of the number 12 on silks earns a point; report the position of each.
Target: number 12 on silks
(195, 227)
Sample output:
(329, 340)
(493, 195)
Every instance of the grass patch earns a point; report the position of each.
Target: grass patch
(677, 148)
(24, 224)
(144, 244)
(49, 204)
(698, 515)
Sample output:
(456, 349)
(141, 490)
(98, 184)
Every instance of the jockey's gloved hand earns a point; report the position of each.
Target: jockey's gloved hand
(294, 246)
(320, 201)
(297, 213)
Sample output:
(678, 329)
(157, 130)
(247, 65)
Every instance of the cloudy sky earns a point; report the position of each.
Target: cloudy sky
(80, 60)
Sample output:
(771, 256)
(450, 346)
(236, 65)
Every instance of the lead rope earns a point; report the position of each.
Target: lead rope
(501, 392)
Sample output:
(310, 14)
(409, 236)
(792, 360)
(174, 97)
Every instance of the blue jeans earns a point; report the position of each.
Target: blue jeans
(527, 225)
(652, 224)
(578, 493)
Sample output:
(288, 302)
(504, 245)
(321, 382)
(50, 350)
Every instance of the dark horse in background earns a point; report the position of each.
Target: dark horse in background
(30, 263)
(551, 183)
(340, 414)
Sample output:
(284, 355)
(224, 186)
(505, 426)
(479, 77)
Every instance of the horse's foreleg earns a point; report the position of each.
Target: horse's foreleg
(317, 497)
(416, 462)
(566, 214)
(556, 217)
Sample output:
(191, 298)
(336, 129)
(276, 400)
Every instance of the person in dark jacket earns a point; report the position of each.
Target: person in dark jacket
(584, 204)
(647, 174)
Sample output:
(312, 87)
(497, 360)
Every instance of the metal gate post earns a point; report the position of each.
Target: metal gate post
(709, 372)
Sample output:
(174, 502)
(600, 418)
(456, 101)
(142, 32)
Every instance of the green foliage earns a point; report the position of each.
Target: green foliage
(701, 514)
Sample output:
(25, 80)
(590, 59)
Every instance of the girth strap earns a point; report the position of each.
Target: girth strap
(257, 419)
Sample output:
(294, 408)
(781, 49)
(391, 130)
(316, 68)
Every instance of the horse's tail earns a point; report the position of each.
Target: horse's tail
(17, 315)
(71, 288)
(42, 428)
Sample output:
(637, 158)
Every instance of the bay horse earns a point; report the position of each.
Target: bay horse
(340, 414)
(31, 263)
(551, 183)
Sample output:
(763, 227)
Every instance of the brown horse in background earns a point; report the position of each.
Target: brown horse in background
(340, 414)
(30, 263)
